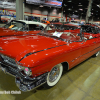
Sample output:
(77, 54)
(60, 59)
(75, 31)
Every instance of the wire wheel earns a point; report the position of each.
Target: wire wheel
(54, 76)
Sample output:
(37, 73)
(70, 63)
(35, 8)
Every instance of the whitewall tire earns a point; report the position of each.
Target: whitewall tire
(54, 76)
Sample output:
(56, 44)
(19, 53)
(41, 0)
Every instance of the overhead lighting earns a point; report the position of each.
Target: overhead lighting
(80, 5)
(81, 9)
(69, 9)
(41, 5)
(69, 0)
(65, 5)
(98, 5)
(76, 11)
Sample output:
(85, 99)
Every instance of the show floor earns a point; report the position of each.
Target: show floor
(80, 83)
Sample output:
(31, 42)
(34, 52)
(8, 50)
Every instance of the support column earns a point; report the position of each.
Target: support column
(66, 17)
(92, 20)
(48, 14)
(62, 15)
(88, 11)
(80, 18)
(19, 9)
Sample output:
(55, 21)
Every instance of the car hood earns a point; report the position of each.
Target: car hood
(19, 46)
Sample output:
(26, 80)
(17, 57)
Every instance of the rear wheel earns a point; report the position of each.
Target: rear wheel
(54, 76)
(96, 54)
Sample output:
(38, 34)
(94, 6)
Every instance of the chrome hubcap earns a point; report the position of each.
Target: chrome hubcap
(54, 74)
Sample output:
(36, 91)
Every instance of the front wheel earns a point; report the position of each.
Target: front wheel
(54, 76)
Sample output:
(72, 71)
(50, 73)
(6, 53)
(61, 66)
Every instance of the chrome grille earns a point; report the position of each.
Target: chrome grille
(8, 60)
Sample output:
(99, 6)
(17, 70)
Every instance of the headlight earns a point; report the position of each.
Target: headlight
(27, 71)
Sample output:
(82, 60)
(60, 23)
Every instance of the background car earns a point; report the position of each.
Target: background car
(21, 27)
(6, 19)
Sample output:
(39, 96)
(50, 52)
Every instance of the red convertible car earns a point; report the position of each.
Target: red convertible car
(40, 59)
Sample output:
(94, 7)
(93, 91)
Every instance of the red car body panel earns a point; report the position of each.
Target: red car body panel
(74, 31)
(47, 54)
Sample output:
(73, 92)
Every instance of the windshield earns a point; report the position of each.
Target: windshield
(15, 25)
(60, 32)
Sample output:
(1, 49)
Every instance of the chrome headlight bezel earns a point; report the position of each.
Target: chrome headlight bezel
(26, 70)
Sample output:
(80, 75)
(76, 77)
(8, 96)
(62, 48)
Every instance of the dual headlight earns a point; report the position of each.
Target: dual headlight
(26, 70)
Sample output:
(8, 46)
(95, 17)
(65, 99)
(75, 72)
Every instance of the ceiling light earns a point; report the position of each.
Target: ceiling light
(98, 5)
(76, 11)
(69, 9)
(81, 9)
(69, 0)
(41, 5)
(65, 5)
(80, 5)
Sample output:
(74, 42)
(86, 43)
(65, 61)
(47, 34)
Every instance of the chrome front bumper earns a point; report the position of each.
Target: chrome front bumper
(24, 83)
(28, 86)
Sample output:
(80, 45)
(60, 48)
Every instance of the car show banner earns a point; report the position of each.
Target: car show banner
(54, 3)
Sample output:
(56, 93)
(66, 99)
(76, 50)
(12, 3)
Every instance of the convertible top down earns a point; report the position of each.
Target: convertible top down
(39, 59)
